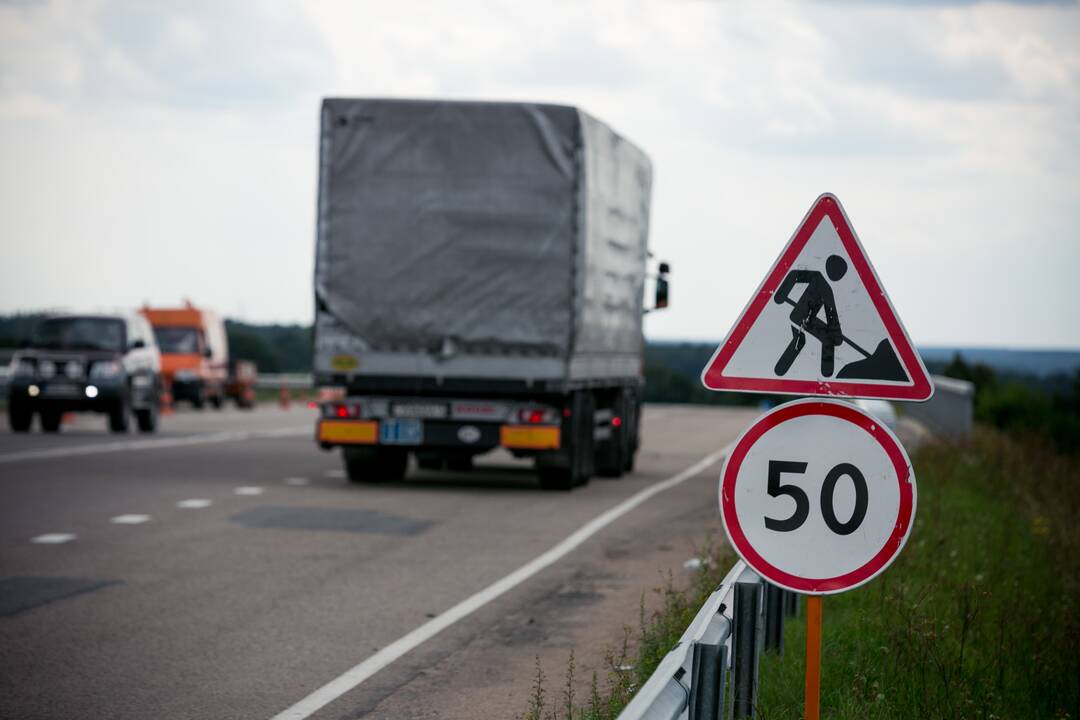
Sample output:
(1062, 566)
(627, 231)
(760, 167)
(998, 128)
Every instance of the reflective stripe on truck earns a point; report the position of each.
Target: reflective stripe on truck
(352, 432)
(524, 437)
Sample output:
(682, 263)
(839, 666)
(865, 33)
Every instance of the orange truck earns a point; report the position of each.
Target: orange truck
(194, 353)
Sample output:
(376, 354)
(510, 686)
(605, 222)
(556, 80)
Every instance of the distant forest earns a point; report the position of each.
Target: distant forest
(1015, 385)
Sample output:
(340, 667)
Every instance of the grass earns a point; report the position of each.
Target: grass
(977, 619)
(978, 616)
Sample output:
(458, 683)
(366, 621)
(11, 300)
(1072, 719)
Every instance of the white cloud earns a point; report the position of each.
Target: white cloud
(185, 34)
(948, 131)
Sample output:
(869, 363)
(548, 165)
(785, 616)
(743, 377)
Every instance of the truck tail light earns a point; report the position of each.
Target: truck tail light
(537, 416)
(343, 411)
(616, 421)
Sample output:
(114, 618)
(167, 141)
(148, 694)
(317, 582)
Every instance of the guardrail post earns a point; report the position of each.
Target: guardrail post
(791, 604)
(774, 618)
(745, 612)
(707, 686)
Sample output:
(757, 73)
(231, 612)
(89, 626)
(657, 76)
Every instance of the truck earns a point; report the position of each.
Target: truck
(194, 353)
(480, 280)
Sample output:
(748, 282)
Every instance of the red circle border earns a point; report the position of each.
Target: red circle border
(901, 527)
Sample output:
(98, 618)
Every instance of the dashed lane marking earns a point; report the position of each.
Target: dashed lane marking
(249, 490)
(53, 538)
(155, 444)
(194, 503)
(351, 678)
(130, 519)
(296, 481)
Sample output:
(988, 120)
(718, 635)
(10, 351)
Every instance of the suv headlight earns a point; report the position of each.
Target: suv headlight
(21, 367)
(106, 369)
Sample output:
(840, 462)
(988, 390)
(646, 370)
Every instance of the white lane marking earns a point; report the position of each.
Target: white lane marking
(335, 473)
(351, 678)
(248, 490)
(53, 538)
(194, 503)
(296, 481)
(208, 439)
(129, 519)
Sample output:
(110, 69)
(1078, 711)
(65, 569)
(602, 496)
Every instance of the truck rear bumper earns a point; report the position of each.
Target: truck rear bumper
(424, 434)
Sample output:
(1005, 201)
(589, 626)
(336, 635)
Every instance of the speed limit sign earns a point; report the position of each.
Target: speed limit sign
(817, 496)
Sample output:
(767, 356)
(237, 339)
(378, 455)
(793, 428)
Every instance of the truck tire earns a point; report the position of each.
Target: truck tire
(19, 417)
(459, 462)
(611, 453)
(50, 420)
(577, 462)
(633, 440)
(429, 461)
(217, 402)
(374, 464)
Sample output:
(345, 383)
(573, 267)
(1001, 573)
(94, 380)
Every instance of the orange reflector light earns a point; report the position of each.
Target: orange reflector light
(365, 432)
(529, 437)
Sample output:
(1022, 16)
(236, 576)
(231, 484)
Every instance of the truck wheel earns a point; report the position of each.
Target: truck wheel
(459, 463)
(198, 400)
(374, 465)
(577, 463)
(552, 478)
(19, 417)
(611, 453)
(217, 402)
(147, 419)
(50, 420)
(429, 461)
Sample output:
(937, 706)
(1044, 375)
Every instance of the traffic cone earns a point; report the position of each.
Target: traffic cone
(166, 400)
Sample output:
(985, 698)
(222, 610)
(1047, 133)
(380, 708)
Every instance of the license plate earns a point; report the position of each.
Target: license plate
(61, 391)
(420, 410)
(401, 432)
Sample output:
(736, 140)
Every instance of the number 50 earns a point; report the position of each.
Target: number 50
(828, 491)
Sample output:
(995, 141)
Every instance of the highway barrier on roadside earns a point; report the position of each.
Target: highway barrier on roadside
(292, 381)
(720, 648)
(951, 411)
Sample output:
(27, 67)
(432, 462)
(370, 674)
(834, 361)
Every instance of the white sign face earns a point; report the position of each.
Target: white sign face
(817, 496)
(820, 324)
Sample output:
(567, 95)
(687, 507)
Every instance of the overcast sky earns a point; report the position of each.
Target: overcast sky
(157, 151)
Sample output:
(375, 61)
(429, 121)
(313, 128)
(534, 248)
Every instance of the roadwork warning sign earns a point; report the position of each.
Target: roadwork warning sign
(820, 324)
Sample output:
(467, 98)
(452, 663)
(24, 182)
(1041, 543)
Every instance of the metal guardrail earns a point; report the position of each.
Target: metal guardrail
(293, 381)
(951, 410)
(722, 644)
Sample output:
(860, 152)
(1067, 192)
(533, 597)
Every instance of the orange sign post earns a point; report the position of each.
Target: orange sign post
(812, 695)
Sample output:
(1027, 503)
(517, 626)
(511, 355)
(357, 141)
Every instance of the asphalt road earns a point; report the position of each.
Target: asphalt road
(223, 568)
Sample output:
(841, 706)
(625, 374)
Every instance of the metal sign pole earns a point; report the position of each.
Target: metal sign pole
(812, 701)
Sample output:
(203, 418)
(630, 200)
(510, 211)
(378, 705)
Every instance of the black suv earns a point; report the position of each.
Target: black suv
(98, 363)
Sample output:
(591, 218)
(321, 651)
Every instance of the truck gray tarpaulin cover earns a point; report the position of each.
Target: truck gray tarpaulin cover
(469, 229)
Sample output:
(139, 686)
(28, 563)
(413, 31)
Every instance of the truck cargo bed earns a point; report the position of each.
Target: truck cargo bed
(462, 242)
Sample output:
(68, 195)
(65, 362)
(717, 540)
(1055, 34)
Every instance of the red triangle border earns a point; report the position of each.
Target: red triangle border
(827, 205)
